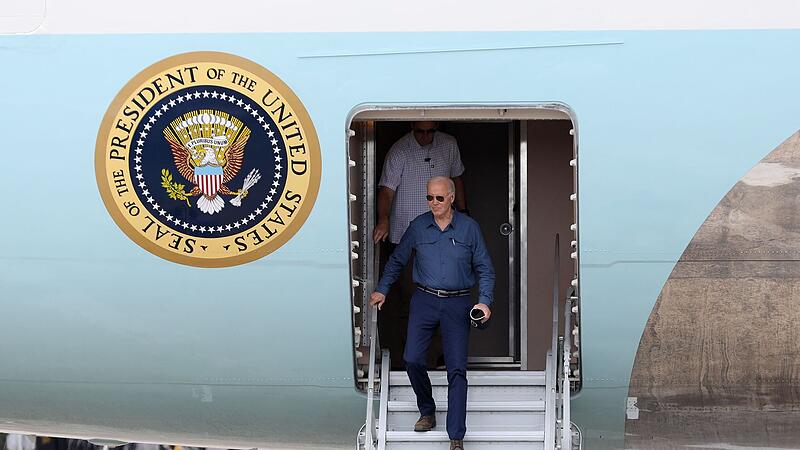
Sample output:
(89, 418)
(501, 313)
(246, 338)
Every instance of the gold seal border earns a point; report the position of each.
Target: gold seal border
(310, 135)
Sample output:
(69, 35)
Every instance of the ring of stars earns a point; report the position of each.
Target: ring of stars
(276, 149)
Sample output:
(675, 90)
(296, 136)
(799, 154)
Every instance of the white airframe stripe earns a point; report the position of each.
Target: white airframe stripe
(151, 16)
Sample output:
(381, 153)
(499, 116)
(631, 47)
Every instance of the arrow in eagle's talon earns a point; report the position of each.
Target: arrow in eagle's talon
(250, 181)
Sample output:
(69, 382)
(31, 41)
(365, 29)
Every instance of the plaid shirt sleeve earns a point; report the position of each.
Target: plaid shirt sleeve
(393, 167)
(456, 166)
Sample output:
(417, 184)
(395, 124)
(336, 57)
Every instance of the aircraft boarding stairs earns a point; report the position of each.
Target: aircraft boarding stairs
(505, 409)
(511, 409)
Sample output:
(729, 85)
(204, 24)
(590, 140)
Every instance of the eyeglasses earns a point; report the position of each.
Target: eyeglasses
(439, 198)
(425, 130)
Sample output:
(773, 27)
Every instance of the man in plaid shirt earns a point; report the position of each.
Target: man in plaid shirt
(414, 159)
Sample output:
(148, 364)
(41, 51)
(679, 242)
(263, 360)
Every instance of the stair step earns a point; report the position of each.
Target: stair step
(477, 378)
(493, 421)
(476, 440)
(474, 406)
(475, 393)
(471, 436)
(479, 445)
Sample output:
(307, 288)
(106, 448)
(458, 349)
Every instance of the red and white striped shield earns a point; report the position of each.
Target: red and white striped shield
(208, 179)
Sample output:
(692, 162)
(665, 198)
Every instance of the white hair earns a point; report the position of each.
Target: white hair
(450, 185)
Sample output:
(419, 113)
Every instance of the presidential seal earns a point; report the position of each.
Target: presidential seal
(208, 159)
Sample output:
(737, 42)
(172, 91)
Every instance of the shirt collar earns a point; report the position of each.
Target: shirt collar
(455, 218)
(453, 221)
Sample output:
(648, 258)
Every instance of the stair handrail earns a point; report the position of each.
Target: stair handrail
(566, 388)
(373, 344)
(556, 270)
(383, 410)
(563, 357)
(552, 399)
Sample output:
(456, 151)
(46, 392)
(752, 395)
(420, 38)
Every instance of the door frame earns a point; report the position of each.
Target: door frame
(516, 112)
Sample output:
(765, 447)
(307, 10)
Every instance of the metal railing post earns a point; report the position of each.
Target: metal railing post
(552, 439)
(566, 424)
(373, 343)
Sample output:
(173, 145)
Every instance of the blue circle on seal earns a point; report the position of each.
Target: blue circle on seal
(192, 184)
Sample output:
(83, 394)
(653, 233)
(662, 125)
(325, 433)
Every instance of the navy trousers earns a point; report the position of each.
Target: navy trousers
(428, 312)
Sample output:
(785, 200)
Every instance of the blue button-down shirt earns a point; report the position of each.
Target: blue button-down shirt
(451, 259)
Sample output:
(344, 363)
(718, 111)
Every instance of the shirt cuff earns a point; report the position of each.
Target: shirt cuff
(389, 185)
(382, 289)
(485, 301)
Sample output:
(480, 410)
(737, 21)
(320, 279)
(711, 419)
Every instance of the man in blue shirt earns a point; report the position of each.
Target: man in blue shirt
(450, 258)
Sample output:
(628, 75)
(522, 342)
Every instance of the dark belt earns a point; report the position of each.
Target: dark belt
(443, 293)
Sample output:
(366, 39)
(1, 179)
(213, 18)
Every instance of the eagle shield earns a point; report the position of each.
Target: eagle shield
(208, 179)
(208, 150)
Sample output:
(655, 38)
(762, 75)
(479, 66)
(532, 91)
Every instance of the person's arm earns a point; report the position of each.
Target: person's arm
(385, 199)
(391, 176)
(394, 267)
(482, 265)
(456, 172)
(461, 201)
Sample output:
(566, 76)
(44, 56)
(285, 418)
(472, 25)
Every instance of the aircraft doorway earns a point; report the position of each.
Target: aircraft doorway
(505, 153)
(487, 152)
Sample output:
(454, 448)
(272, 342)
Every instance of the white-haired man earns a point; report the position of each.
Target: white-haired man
(421, 154)
(450, 258)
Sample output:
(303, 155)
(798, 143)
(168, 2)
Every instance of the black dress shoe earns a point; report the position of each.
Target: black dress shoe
(425, 423)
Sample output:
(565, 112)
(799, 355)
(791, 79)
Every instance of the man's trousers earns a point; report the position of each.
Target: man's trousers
(428, 312)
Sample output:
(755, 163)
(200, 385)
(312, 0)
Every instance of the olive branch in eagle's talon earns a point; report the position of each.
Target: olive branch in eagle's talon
(174, 190)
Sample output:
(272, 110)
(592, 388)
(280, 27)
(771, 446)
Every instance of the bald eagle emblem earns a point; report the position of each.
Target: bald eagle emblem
(208, 151)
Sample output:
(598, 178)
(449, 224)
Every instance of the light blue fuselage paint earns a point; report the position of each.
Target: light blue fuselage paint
(668, 122)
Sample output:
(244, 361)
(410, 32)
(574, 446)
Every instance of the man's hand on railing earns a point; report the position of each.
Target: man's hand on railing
(377, 299)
